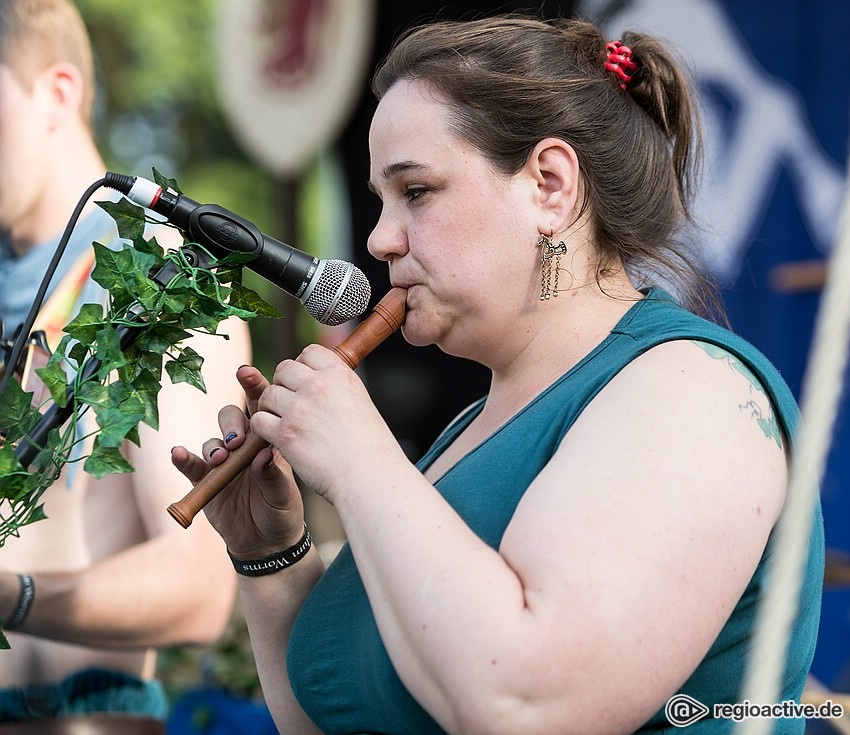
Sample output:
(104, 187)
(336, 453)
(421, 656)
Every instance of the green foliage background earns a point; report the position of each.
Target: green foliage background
(157, 106)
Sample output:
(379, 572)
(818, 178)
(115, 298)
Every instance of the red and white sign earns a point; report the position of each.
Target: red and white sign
(290, 72)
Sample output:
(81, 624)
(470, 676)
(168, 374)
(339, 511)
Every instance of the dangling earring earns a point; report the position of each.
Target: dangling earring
(549, 250)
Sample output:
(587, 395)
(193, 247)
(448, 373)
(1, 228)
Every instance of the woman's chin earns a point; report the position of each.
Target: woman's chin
(414, 336)
(419, 331)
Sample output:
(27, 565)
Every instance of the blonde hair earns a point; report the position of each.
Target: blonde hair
(35, 34)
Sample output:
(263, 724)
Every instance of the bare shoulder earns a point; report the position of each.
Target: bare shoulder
(686, 433)
(685, 417)
(705, 375)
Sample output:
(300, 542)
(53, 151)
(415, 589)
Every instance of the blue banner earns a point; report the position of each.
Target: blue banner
(775, 89)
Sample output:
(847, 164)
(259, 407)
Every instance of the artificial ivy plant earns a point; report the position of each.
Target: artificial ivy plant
(102, 373)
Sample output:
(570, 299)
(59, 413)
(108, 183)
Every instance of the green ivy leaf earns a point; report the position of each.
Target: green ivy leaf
(106, 461)
(129, 217)
(235, 259)
(161, 336)
(203, 322)
(55, 380)
(146, 387)
(140, 360)
(151, 247)
(133, 436)
(36, 514)
(92, 393)
(109, 351)
(16, 412)
(124, 273)
(11, 471)
(77, 354)
(120, 415)
(85, 325)
(48, 462)
(229, 274)
(209, 306)
(249, 302)
(177, 300)
(186, 368)
(164, 182)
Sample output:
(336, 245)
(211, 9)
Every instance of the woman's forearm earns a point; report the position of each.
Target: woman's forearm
(270, 604)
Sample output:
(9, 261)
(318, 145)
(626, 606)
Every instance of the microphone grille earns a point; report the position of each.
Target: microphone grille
(340, 292)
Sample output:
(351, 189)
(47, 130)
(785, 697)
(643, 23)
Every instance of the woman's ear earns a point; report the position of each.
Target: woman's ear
(553, 165)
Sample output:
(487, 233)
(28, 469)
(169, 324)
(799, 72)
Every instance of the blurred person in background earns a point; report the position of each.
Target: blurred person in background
(89, 593)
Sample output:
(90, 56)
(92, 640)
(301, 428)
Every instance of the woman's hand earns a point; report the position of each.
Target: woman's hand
(261, 510)
(320, 416)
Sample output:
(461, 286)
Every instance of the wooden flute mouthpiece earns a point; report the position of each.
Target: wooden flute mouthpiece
(386, 317)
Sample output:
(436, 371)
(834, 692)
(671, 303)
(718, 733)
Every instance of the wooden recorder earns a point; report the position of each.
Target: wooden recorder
(386, 318)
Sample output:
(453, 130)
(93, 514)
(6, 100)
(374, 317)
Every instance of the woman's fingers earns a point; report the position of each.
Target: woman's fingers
(214, 451)
(263, 465)
(193, 467)
(253, 383)
(233, 424)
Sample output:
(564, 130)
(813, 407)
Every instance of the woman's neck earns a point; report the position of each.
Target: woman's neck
(566, 328)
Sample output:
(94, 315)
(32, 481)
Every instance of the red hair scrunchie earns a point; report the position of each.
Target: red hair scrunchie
(619, 62)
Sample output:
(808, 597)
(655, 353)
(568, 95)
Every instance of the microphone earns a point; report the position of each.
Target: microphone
(332, 291)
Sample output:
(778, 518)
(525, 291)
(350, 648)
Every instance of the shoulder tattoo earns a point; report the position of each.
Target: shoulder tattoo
(769, 424)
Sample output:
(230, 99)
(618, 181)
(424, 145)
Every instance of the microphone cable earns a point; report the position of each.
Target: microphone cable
(22, 337)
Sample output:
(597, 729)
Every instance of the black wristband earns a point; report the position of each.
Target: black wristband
(273, 562)
(24, 603)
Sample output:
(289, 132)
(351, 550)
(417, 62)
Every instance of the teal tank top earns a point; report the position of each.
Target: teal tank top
(337, 664)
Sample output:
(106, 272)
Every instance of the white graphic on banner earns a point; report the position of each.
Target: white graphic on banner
(766, 131)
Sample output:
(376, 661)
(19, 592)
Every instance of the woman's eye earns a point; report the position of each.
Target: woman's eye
(414, 192)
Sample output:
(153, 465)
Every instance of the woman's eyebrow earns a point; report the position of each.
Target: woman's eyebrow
(393, 169)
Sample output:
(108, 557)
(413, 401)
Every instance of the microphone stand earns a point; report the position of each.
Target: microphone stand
(35, 440)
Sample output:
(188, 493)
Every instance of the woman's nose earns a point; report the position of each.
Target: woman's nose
(387, 239)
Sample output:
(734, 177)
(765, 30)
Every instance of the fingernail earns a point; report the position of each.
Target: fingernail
(213, 451)
(230, 437)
